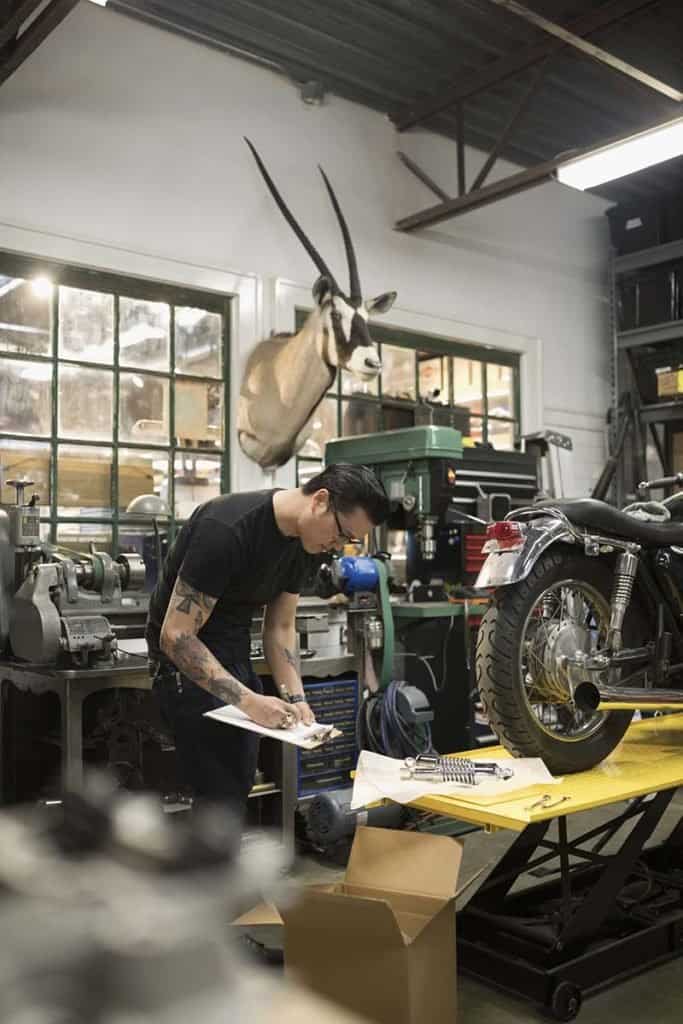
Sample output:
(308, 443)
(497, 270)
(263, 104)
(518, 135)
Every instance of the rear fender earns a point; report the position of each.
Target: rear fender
(502, 568)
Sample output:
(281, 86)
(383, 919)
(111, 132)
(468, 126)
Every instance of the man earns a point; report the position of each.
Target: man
(235, 554)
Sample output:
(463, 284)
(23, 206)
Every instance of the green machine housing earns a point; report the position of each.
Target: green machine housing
(417, 466)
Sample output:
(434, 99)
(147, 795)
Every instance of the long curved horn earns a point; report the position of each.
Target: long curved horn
(355, 295)
(284, 209)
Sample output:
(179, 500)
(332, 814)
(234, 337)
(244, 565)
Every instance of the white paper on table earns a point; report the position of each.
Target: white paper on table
(307, 736)
(133, 645)
(379, 777)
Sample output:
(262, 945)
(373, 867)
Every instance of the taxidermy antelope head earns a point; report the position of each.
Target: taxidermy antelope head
(287, 375)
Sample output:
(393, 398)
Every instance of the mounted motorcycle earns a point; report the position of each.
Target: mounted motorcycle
(585, 624)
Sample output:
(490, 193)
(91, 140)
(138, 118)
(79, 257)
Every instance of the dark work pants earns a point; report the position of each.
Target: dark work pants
(218, 761)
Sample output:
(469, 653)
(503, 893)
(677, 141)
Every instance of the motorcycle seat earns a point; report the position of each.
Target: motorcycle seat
(603, 518)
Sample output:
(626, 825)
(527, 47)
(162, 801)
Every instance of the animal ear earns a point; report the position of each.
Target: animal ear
(322, 289)
(381, 303)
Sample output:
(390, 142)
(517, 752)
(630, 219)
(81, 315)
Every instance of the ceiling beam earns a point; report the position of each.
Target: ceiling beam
(481, 197)
(510, 126)
(590, 49)
(13, 15)
(33, 36)
(423, 176)
(504, 67)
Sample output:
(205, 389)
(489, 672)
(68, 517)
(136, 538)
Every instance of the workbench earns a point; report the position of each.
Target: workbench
(599, 917)
(73, 687)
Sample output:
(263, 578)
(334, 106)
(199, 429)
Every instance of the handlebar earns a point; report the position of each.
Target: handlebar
(665, 481)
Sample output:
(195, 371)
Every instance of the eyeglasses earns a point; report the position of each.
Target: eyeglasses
(342, 534)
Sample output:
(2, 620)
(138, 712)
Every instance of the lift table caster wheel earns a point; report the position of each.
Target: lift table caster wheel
(565, 1001)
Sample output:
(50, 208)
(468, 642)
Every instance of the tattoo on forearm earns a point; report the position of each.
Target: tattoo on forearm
(191, 597)
(289, 656)
(197, 662)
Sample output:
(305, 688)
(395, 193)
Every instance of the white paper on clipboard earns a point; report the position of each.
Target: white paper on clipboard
(307, 736)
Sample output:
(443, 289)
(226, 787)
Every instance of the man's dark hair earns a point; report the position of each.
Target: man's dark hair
(352, 487)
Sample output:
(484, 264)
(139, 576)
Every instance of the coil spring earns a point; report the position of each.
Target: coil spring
(451, 769)
(458, 769)
(623, 588)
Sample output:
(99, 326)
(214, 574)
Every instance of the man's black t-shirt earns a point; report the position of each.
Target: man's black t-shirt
(231, 548)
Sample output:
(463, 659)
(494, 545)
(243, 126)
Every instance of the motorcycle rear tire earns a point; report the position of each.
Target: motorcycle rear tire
(498, 662)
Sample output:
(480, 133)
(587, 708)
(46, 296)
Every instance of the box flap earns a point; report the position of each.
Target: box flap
(263, 913)
(355, 920)
(412, 910)
(383, 858)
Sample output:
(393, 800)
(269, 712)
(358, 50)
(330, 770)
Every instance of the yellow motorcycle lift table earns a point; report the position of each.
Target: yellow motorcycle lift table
(597, 917)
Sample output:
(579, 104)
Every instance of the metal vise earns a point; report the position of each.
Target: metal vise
(59, 608)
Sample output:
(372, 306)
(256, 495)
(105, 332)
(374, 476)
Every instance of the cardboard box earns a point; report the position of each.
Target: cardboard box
(669, 382)
(381, 943)
(678, 452)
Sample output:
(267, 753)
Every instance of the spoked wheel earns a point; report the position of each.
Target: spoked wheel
(524, 681)
(569, 616)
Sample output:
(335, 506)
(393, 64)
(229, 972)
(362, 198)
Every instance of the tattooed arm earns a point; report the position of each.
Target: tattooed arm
(279, 647)
(188, 610)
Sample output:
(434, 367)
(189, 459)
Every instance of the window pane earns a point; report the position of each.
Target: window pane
(433, 380)
(305, 470)
(359, 417)
(23, 460)
(398, 372)
(351, 385)
(25, 397)
(198, 414)
(499, 390)
(197, 478)
(86, 325)
(83, 480)
(501, 434)
(467, 384)
(86, 401)
(324, 422)
(142, 473)
(25, 315)
(198, 341)
(476, 428)
(79, 536)
(397, 419)
(143, 408)
(144, 334)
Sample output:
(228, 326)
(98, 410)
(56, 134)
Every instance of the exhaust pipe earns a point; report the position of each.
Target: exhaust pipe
(589, 697)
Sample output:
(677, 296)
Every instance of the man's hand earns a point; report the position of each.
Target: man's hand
(305, 712)
(270, 712)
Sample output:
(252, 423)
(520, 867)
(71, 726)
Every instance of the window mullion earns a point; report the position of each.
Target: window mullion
(225, 457)
(54, 470)
(485, 402)
(171, 420)
(115, 428)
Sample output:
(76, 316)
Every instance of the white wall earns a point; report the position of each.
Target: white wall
(121, 146)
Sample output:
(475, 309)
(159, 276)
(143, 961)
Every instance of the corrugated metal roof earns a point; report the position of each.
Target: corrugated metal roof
(388, 53)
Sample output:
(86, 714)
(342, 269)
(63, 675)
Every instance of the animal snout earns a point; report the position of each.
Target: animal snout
(373, 364)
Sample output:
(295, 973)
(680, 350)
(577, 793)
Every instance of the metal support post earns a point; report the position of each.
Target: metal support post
(460, 140)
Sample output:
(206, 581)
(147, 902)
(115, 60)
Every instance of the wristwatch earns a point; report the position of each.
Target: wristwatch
(297, 698)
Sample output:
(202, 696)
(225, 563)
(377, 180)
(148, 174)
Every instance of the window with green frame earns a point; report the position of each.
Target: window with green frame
(110, 388)
(462, 383)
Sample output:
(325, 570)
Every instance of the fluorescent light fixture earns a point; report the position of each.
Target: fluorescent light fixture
(100, 3)
(626, 156)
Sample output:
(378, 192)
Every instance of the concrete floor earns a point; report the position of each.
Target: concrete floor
(652, 997)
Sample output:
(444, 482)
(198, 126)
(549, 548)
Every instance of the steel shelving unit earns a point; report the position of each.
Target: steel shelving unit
(656, 420)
